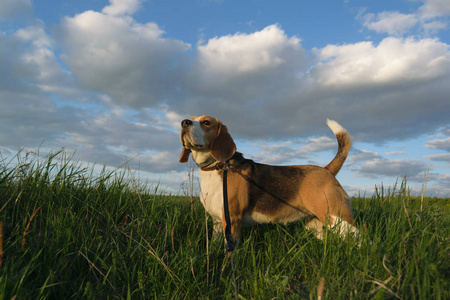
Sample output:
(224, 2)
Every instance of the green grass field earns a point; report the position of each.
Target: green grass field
(67, 233)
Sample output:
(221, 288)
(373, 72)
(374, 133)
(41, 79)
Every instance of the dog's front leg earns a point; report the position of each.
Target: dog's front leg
(236, 221)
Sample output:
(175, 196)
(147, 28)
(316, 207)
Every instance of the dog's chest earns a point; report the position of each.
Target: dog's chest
(212, 192)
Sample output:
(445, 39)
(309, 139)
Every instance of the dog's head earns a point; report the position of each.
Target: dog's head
(207, 135)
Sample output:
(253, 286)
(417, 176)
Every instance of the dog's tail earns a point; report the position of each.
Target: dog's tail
(344, 143)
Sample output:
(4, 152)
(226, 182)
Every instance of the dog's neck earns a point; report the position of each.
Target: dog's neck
(203, 158)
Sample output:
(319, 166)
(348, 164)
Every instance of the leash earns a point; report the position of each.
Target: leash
(228, 236)
(230, 246)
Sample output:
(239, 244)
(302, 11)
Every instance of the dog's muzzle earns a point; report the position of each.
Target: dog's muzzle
(186, 135)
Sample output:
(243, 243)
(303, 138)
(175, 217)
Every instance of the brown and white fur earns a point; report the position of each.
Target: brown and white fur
(260, 193)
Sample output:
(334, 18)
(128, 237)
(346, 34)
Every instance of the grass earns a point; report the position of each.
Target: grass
(68, 233)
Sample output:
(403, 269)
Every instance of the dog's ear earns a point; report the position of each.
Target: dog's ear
(222, 147)
(184, 157)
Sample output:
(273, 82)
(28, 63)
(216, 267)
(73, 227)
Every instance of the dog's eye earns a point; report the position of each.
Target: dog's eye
(207, 123)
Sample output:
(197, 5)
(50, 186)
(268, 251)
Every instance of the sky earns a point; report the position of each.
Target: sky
(110, 81)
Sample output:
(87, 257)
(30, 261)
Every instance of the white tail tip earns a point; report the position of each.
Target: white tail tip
(335, 126)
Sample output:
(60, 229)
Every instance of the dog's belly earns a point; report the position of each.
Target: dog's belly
(212, 193)
(255, 218)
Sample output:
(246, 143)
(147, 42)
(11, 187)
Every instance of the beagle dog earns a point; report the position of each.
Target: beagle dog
(260, 193)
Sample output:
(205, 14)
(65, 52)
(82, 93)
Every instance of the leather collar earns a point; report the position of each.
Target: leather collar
(218, 166)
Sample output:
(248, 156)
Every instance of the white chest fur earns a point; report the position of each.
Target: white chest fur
(212, 193)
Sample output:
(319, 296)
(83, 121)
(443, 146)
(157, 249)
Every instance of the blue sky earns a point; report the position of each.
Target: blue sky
(112, 80)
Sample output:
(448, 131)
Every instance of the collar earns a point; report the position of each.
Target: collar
(211, 164)
(218, 166)
(207, 163)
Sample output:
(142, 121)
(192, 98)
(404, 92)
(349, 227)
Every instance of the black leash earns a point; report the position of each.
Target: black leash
(228, 236)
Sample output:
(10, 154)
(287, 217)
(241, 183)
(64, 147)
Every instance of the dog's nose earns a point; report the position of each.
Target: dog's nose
(185, 123)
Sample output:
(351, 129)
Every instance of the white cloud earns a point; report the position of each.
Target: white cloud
(173, 119)
(39, 55)
(122, 7)
(393, 60)
(237, 74)
(241, 66)
(435, 8)
(439, 144)
(393, 168)
(246, 54)
(391, 22)
(129, 61)
(429, 18)
(29, 64)
(393, 86)
(385, 84)
(433, 27)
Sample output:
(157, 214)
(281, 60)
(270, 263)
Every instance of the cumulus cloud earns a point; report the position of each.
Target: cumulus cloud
(435, 8)
(392, 61)
(430, 17)
(244, 66)
(377, 82)
(234, 74)
(122, 7)
(432, 27)
(247, 54)
(39, 54)
(391, 22)
(290, 95)
(28, 62)
(129, 61)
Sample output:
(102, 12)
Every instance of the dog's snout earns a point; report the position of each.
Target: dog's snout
(185, 123)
